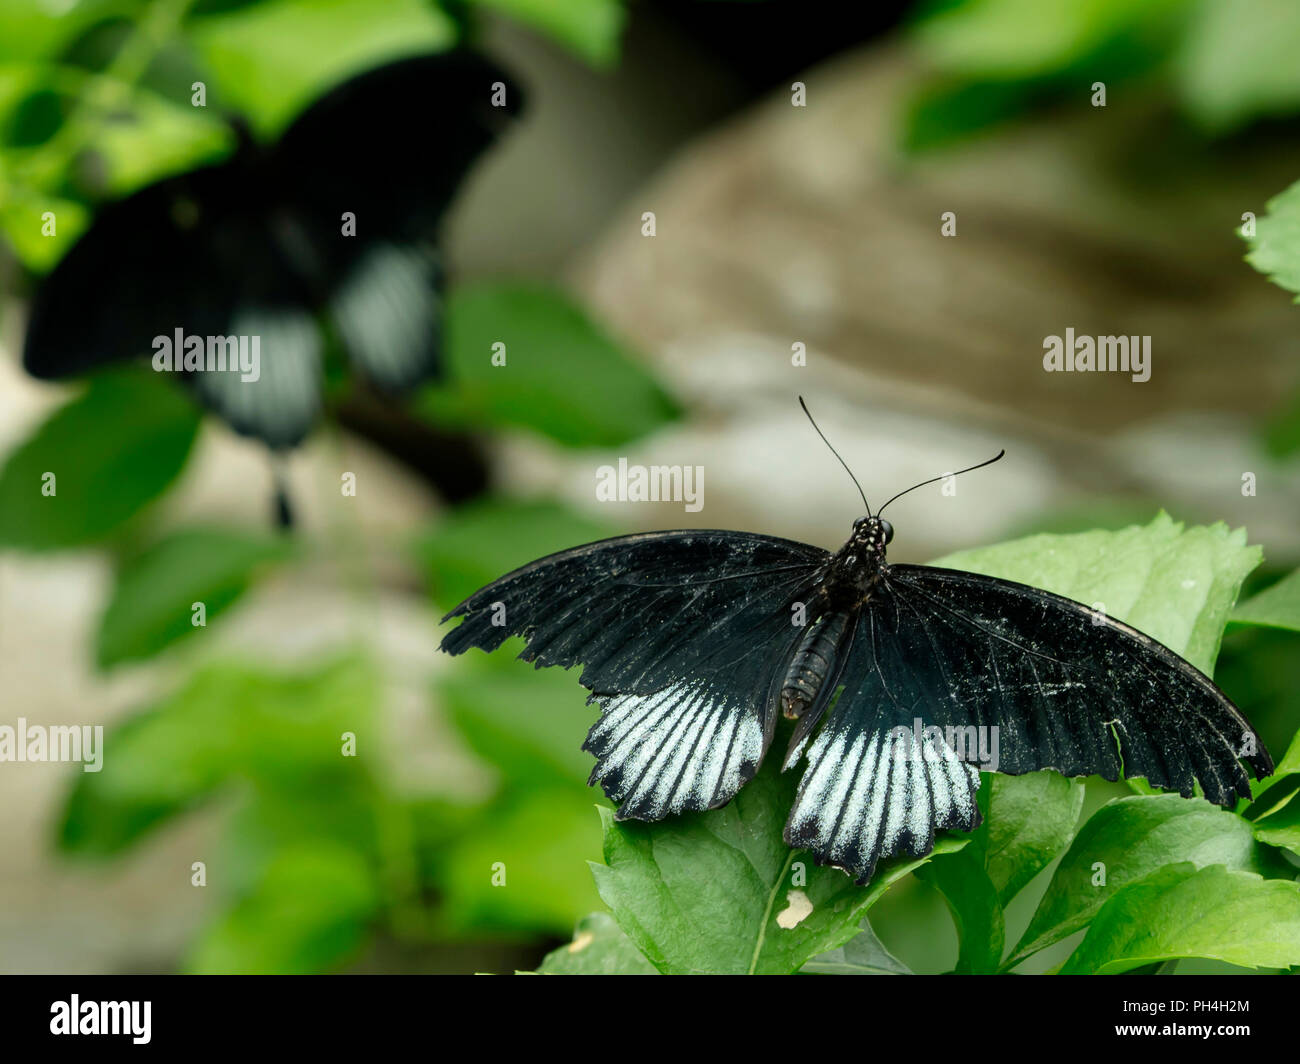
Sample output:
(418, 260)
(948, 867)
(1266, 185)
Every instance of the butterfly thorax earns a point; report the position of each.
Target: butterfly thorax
(855, 569)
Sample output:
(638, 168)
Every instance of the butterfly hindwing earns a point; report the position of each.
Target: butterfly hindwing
(390, 146)
(875, 784)
(387, 150)
(682, 637)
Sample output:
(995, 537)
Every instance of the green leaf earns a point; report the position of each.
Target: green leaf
(599, 947)
(864, 954)
(113, 450)
(22, 221)
(1023, 38)
(945, 110)
(1175, 584)
(1275, 813)
(563, 376)
(279, 730)
(588, 28)
(1180, 911)
(1282, 430)
(151, 604)
(33, 29)
(1271, 795)
(714, 892)
(476, 543)
(1275, 247)
(1291, 759)
(1274, 607)
(157, 764)
(309, 913)
(523, 865)
(161, 138)
(148, 137)
(973, 901)
(266, 819)
(1029, 822)
(271, 59)
(1237, 62)
(1281, 827)
(1126, 840)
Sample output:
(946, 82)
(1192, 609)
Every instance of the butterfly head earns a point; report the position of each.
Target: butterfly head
(872, 535)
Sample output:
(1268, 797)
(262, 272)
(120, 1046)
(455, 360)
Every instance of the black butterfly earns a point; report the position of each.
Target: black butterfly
(258, 246)
(691, 643)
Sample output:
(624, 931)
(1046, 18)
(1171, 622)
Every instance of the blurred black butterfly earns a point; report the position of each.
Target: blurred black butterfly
(339, 218)
(691, 643)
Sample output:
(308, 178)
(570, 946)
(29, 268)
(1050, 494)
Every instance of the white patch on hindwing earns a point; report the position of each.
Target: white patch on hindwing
(677, 749)
(865, 798)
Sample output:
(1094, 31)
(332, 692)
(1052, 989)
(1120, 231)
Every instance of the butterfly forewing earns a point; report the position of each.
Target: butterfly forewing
(1064, 682)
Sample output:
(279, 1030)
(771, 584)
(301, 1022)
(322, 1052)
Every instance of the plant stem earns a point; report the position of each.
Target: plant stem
(767, 913)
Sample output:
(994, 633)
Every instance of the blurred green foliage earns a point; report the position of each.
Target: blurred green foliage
(96, 100)
(1224, 63)
(524, 356)
(208, 566)
(106, 467)
(1275, 252)
(323, 853)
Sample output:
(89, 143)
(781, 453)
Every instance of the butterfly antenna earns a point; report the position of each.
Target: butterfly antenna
(837, 455)
(944, 476)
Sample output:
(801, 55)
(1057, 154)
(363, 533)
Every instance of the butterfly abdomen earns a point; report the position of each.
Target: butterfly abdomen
(812, 663)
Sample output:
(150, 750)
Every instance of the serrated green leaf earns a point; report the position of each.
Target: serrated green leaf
(599, 947)
(1126, 840)
(308, 914)
(1183, 911)
(1274, 607)
(1175, 584)
(112, 450)
(1275, 247)
(711, 892)
(563, 376)
(152, 600)
(864, 954)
